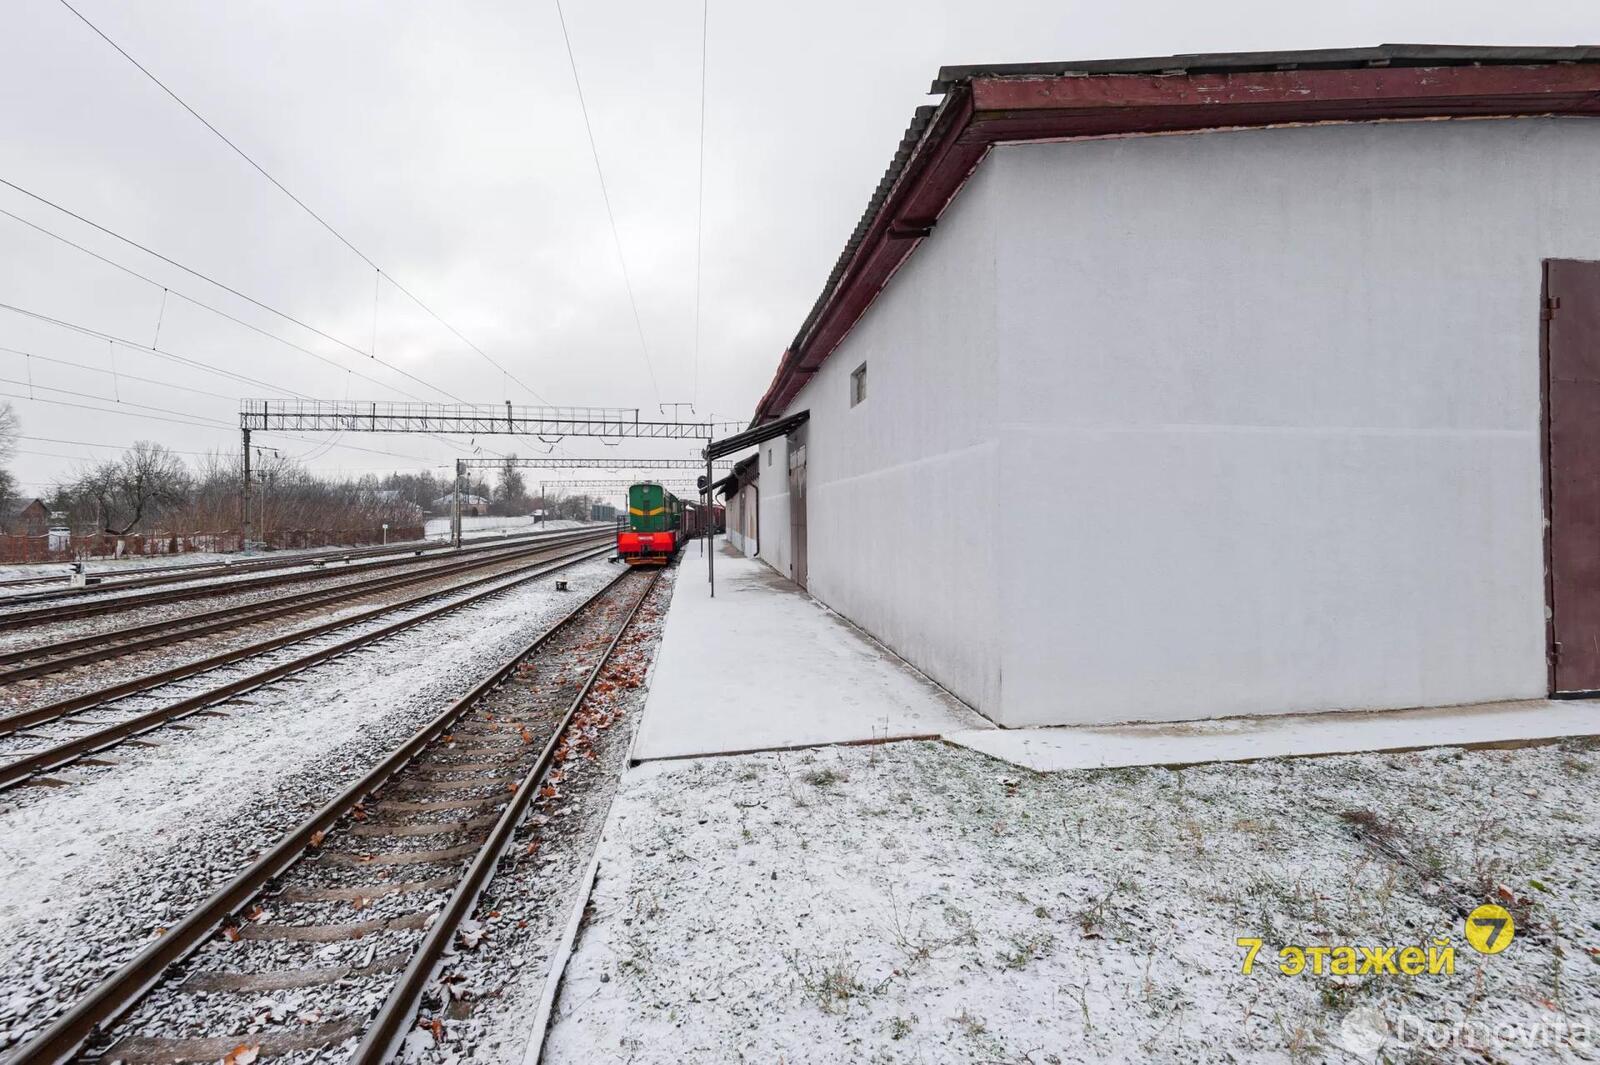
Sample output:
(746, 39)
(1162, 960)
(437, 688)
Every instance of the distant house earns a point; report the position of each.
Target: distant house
(28, 518)
(471, 505)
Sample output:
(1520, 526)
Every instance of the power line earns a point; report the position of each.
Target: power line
(48, 454)
(700, 205)
(86, 443)
(226, 288)
(134, 346)
(410, 296)
(606, 196)
(159, 352)
(31, 385)
(240, 152)
(97, 369)
(165, 291)
(109, 410)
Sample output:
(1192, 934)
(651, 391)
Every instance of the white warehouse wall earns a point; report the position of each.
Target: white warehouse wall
(772, 530)
(1269, 407)
(901, 504)
(740, 514)
(735, 529)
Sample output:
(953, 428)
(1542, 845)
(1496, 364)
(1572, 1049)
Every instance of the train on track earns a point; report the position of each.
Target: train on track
(659, 523)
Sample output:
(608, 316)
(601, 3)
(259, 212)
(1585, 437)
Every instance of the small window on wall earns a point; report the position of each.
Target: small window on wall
(858, 384)
(769, 456)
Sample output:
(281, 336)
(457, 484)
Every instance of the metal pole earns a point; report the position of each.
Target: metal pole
(711, 563)
(455, 506)
(244, 518)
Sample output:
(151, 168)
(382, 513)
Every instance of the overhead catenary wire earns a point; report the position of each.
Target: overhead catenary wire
(89, 443)
(184, 420)
(241, 153)
(182, 359)
(165, 291)
(700, 203)
(605, 195)
(158, 352)
(225, 287)
(96, 369)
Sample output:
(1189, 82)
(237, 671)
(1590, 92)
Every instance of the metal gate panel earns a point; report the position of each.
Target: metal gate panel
(1571, 356)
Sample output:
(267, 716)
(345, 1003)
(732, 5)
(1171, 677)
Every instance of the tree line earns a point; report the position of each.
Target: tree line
(151, 490)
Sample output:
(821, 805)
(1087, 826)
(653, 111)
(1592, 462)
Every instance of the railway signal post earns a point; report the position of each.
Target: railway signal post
(705, 495)
(244, 517)
(455, 504)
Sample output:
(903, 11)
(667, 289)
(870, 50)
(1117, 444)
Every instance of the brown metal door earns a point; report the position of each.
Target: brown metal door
(1572, 472)
(797, 507)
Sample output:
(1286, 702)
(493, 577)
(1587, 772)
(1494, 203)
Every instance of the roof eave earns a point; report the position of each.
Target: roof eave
(1011, 106)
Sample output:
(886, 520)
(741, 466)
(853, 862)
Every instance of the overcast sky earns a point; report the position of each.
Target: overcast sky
(445, 141)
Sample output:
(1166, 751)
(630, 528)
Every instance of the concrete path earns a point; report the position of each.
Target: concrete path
(764, 666)
(1244, 739)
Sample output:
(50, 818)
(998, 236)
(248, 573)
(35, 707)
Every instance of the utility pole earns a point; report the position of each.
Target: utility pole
(244, 522)
(455, 505)
(711, 544)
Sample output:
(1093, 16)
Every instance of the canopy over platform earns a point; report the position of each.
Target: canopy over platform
(757, 435)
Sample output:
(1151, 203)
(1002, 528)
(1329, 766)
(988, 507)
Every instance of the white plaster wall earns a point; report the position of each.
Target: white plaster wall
(1270, 413)
(773, 513)
(750, 541)
(740, 516)
(735, 530)
(901, 500)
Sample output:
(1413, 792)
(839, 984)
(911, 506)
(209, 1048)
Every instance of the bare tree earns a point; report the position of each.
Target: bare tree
(132, 488)
(513, 489)
(10, 426)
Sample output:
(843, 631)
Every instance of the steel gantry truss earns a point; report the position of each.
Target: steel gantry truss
(470, 419)
(475, 419)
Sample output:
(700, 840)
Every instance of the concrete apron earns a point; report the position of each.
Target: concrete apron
(1245, 739)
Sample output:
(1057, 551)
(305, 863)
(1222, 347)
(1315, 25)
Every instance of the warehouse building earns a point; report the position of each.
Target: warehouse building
(1197, 386)
(742, 499)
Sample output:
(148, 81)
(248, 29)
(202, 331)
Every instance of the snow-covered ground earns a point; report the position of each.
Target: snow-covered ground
(436, 528)
(803, 674)
(921, 902)
(88, 872)
(25, 570)
(470, 524)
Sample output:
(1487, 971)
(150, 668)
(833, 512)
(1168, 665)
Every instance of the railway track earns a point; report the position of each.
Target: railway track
(90, 723)
(54, 612)
(359, 903)
(145, 576)
(112, 579)
(24, 663)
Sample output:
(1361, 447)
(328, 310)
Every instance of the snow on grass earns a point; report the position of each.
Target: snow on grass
(918, 902)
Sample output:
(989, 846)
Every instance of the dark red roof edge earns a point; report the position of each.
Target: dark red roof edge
(988, 105)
